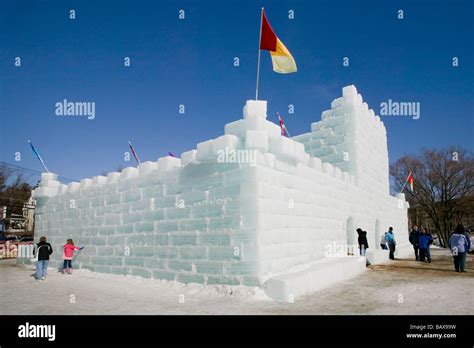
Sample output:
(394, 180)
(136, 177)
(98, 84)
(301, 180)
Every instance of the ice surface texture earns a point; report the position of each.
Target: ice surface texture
(239, 209)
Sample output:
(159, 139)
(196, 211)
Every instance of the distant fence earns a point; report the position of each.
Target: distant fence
(16, 250)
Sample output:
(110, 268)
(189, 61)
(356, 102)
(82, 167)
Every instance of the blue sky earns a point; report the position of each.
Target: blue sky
(190, 62)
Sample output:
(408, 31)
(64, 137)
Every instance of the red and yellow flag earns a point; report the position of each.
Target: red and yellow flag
(410, 181)
(282, 59)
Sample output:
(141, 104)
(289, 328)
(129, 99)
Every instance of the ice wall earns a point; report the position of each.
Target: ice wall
(353, 138)
(304, 205)
(243, 208)
(188, 223)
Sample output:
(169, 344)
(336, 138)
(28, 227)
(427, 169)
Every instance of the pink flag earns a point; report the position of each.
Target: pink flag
(284, 131)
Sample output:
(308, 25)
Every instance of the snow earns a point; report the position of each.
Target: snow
(271, 214)
(422, 287)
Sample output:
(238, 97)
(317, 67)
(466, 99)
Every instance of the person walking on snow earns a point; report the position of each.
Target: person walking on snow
(43, 250)
(414, 236)
(391, 242)
(459, 245)
(68, 255)
(424, 241)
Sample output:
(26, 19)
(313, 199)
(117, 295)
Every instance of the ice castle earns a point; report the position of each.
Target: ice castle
(251, 207)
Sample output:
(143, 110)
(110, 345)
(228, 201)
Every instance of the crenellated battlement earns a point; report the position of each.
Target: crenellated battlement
(353, 138)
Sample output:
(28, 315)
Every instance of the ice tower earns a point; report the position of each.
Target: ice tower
(250, 207)
(353, 138)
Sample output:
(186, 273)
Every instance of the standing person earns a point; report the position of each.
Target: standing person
(43, 250)
(459, 245)
(424, 241)
(68, 255)
(414, 236)
(391, 242)
(383, 242)
(362, 240)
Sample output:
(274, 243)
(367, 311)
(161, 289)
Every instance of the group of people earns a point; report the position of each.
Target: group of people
(387, 241)
(44, 249)
(421, 239)
(459, 243)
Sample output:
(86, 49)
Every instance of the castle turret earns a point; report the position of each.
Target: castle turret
(353, 138)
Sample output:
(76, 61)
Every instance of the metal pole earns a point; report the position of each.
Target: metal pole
(38, 156)
(258, 62)
(135, 154)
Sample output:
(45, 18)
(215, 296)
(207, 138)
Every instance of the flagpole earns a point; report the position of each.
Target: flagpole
(258, 62)
(38, 156)
(403, 187)
(135, 154)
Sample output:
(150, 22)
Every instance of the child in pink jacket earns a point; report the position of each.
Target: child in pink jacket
(68, 254)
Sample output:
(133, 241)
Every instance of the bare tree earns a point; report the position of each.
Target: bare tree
(5, 174)
(443, 185)
(14, 189)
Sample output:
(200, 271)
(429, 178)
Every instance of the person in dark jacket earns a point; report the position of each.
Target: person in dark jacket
(459, 245)
(424, 241)
(391, 243)
(43, 250)
(362, 240)
(414, 237)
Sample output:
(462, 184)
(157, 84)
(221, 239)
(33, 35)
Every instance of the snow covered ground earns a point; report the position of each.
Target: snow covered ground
(398, 287)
